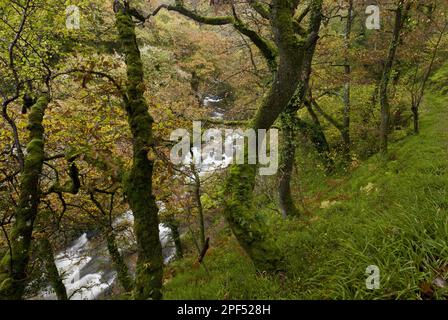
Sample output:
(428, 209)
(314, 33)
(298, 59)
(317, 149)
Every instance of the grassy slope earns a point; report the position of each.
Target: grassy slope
(390, 213)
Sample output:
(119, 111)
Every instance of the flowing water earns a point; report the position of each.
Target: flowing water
(85, 266)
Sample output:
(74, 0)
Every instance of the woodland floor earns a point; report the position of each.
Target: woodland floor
(391, 213)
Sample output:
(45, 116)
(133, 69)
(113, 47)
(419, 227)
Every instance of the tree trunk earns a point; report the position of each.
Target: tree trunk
(118, 262)
(286, 202)
(52, 273)
(346, 141)
(197, 197)
(13, 266)
(248, 228)
(347, 70)
(384, 103)
(197, 194)
(419, 95)
(174, 226)
(415, 115)
(138, 184)
(289, 125)
(318, 138)
(194, 83)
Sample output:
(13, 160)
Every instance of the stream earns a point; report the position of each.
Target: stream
(85, 266)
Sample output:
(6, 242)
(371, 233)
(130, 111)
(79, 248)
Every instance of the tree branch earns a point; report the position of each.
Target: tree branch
(261, 8)
(267, 49)
(313, 103)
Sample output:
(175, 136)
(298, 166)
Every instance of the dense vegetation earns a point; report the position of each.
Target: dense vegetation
(92, 91)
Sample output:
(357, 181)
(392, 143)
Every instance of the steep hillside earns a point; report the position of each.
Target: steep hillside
(390, 213)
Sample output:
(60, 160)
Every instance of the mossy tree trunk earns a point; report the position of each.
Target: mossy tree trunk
(123, 276)
(289, 121)
(120, 266)
(13, 266)
(289, 145)
(289, 47)
(51, 271)
(138, 184)
(314, 133)
(239, 210)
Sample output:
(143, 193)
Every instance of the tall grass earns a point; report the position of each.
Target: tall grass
(391, 212)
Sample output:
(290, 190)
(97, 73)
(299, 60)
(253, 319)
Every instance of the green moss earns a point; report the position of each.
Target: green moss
(138, 181)
(245, 222)
(13, 267)
(120, 266)
(5, 286)
(399, 224)
(51, 271)
(247, 225)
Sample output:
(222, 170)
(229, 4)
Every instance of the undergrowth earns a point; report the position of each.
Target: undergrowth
(390, 212)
